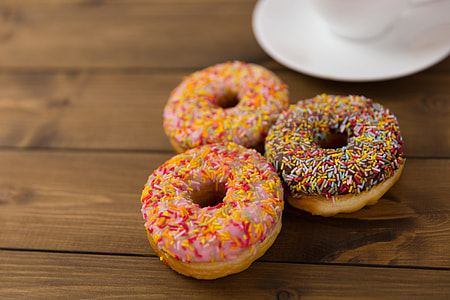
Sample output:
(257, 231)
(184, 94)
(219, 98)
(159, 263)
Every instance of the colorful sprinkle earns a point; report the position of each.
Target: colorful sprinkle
(193, 116)
(249, 211)
(373, 152)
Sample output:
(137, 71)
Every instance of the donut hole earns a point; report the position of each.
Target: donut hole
(333, 140)
(209, 195)
(227, 100)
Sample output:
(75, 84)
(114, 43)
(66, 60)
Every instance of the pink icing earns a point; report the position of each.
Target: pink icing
(249, 212)
(192, 116)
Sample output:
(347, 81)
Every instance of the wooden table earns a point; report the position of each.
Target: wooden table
(83, 84)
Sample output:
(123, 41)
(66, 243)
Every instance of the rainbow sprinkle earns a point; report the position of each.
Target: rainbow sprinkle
(250, 210)
(193, 117)
(373, 152)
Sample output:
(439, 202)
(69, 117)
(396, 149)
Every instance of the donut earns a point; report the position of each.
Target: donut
(213, 210)
(233, 101)
(336, 154)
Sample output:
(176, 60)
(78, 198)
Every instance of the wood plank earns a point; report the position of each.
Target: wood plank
(45, 275)
(123, 109)
(85, 33)
(84, 110)
(108, 34)
(69, 201)
(408, 222)
(420, 102)
(83, 86)
(90, 33)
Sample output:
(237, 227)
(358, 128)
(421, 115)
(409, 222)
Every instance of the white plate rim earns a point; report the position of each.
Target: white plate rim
(260, 12)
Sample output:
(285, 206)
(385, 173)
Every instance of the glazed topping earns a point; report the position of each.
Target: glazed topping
(233, 101)
(371, 152)
(249, 211)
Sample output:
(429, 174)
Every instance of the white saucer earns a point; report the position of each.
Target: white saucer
(291, 33)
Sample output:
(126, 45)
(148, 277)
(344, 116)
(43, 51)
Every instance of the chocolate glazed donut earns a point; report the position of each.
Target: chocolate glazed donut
(336, 153)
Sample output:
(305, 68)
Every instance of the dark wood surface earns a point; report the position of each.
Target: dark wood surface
(83, 84)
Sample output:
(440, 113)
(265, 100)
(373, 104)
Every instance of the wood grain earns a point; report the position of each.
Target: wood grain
(105, 34)
(123, 109)
(137, 34)
(65, 275)
(83, 84)
(69, 201)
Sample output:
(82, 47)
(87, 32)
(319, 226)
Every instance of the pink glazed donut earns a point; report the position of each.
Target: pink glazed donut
(232, 101)
(213, 210)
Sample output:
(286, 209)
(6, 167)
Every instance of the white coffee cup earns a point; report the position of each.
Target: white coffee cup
(361, 19)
